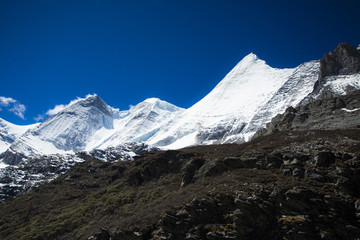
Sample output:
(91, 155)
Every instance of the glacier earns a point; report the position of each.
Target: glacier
(10, 132)
(243, 102)
(88, 124)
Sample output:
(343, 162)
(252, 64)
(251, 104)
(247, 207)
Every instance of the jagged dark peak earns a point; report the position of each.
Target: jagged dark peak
(345, 59)
(91, 100)
(328, 113)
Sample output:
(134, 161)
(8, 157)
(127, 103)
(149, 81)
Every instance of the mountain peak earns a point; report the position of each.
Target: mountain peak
(344, 60)
(160, 104)
(93, 97)
(247, 62)
(91, 100)
(250, 57)
(152, 100)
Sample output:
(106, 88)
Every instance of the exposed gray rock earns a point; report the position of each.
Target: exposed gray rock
(189, 170)
(327, 113)
(313, 175)
(324, 159)
(344, 60)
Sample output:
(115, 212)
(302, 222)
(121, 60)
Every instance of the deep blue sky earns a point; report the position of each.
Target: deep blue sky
(52, 51)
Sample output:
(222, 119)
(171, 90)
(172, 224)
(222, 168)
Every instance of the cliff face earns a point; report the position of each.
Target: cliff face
(344, 60)
(327, 113)
(335, 100)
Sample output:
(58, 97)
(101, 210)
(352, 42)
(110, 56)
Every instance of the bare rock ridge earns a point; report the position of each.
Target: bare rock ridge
(344, 60)
(326, 114)
(326, 107)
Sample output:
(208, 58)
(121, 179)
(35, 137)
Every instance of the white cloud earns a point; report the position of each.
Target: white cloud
(13, 105)
(56, 109)
(60, 107)
(6, 101)
(39, 117)
(19, 110)
(52, 111)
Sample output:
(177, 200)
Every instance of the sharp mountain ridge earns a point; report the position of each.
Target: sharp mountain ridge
(298, 178)
(248, 98)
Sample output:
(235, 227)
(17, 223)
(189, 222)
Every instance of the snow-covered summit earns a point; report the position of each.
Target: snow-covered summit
(248, 84)
(9, 132)
(89, 123)
(224, 114)
(246, 63)
(157, 103)
(141, 122)
(247, 98)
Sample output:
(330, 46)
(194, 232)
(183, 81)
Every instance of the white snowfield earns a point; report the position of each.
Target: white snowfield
(243, 102)
(89, 123)
(340, 84)
(141, 122)
(10, 132)
(350, 110)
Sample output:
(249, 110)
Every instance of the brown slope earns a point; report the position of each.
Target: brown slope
(298, 185)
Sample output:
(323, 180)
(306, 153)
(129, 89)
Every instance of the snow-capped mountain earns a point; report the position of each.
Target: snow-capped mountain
(339, 85)
(339, 73)
(241, 104)
(299, 84)
(253, 93)
(90, 123)
(248, 97)
(10, 132)
(67, 131)
(140, 123)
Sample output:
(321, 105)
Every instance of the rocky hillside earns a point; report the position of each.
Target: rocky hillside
(29, 174)
(327, 113)
(287, 185)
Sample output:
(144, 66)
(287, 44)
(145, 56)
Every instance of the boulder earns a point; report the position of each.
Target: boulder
(324, 159)
(189, 170)
(345, 59)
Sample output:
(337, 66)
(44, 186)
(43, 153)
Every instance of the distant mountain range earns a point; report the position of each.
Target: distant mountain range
(242, 103)
(89, 124)
(248, 97)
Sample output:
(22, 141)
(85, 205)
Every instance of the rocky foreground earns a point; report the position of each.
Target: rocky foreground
(287, 185)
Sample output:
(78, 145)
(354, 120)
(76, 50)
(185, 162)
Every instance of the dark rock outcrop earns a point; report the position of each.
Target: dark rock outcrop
(326, 113)
(344, 60)
(12, 158)
(336, 68)
(324, 108)
(190, 169)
